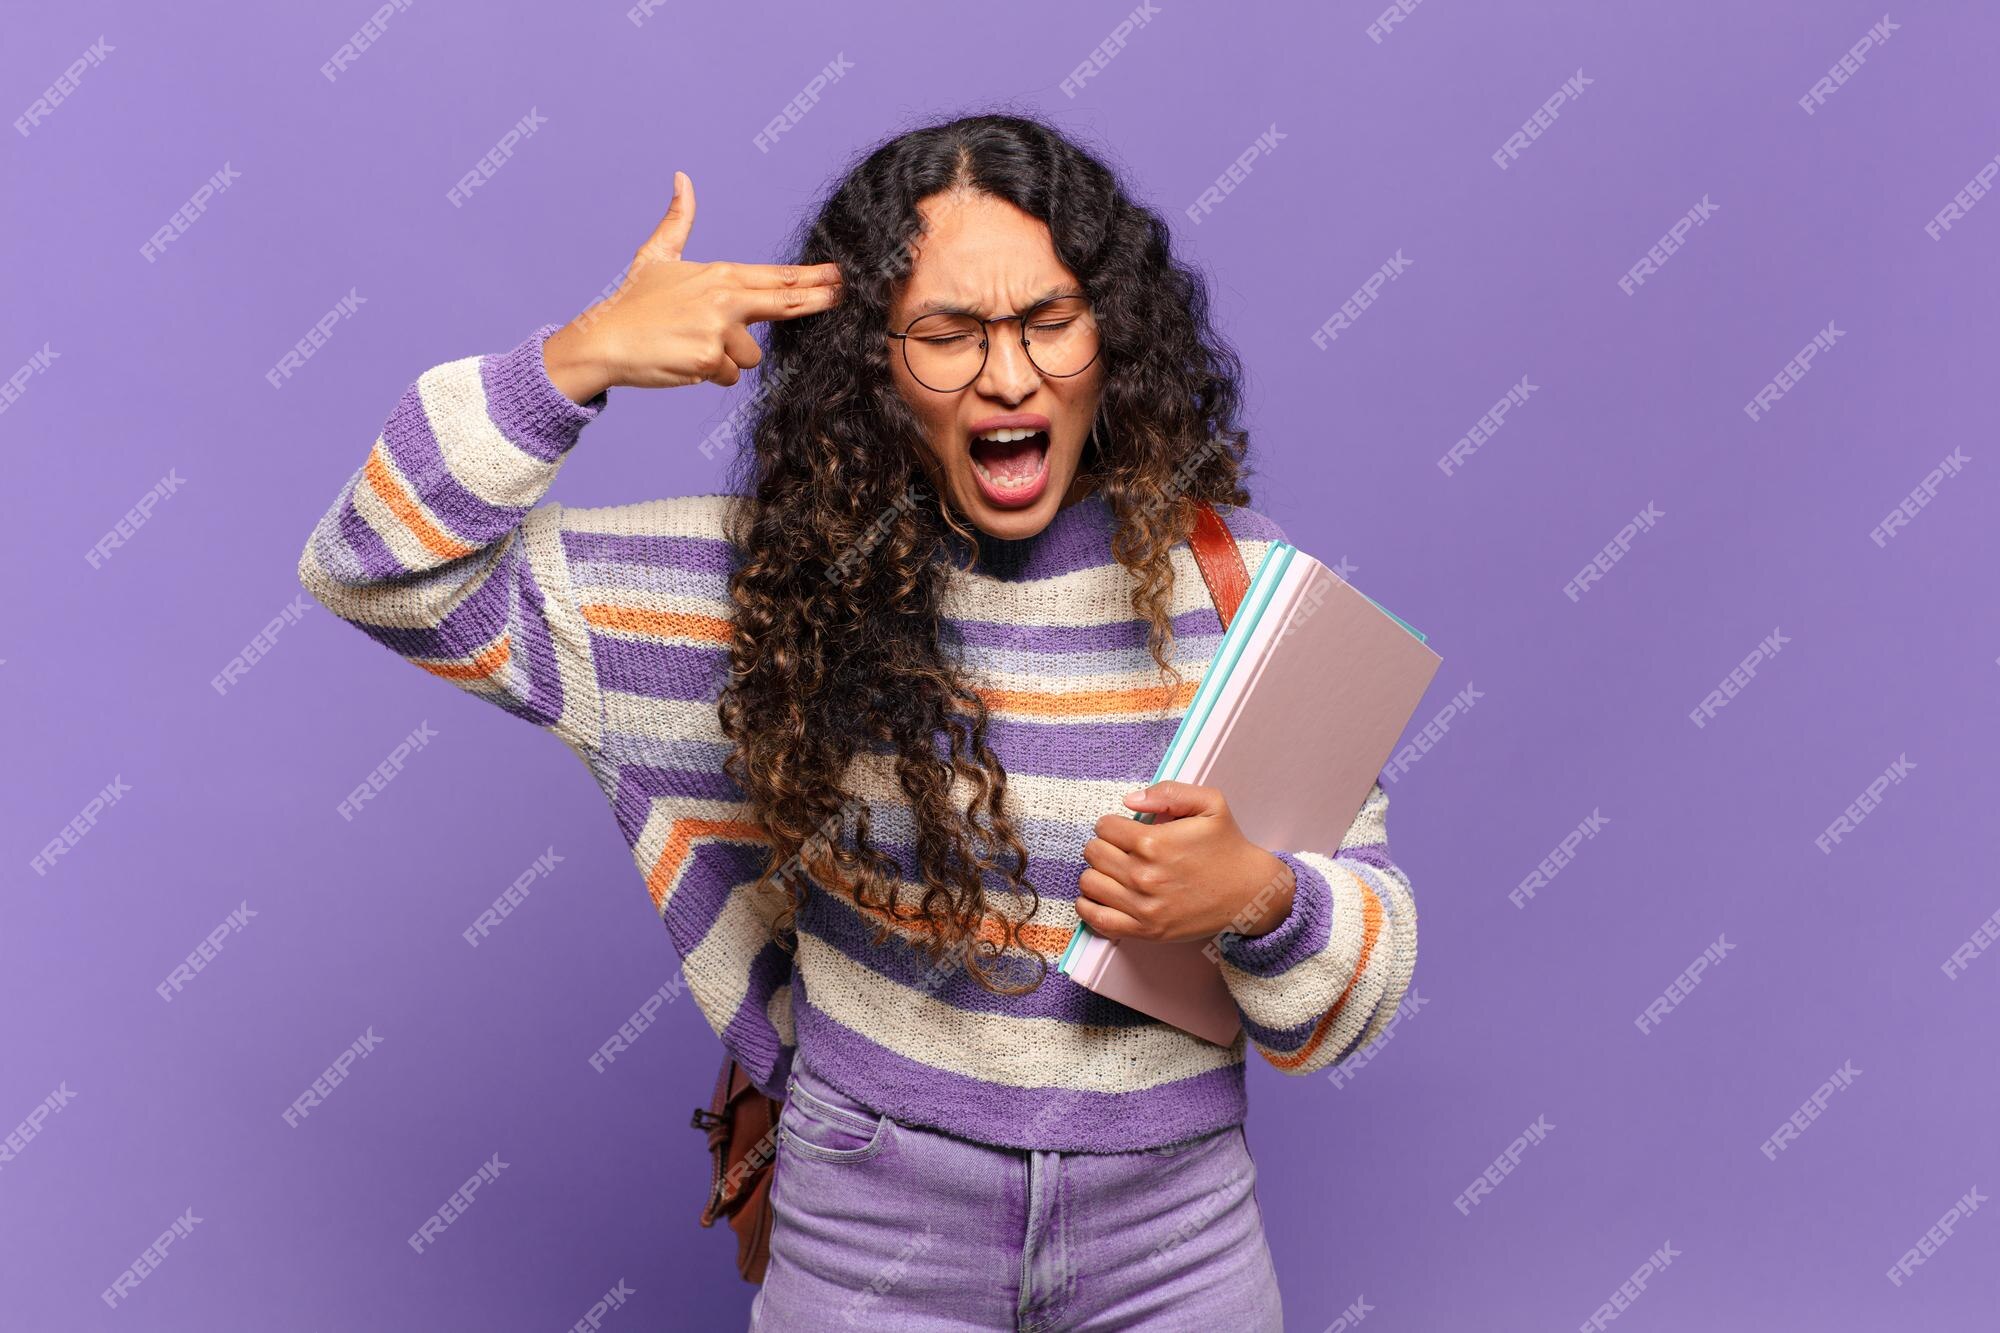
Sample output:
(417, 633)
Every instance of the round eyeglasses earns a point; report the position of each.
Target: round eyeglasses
(946, 352)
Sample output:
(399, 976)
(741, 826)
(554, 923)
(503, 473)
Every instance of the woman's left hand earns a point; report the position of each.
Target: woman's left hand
(1191, 874)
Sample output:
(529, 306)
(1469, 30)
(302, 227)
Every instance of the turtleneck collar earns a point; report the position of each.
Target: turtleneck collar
(1077, 537)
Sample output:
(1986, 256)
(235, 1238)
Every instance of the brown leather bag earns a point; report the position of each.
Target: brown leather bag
(742, 1123)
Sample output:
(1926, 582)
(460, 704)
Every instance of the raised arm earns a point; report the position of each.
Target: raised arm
(607, 626)
(437, 548)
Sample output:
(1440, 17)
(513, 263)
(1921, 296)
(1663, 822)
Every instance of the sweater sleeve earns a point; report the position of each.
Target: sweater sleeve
(607, 626)
(437, 548)
(1327, 979)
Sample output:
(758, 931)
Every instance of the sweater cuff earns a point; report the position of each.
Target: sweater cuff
(530, 410)
(1292, 939)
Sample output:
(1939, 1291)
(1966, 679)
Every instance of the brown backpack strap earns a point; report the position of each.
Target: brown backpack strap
(1220, 561)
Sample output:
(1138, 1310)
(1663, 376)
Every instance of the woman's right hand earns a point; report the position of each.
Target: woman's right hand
(674, 321)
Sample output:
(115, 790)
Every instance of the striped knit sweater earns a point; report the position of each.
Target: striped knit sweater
(608, 627)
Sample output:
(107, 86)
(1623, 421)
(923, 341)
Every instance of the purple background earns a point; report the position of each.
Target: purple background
(1583, 705)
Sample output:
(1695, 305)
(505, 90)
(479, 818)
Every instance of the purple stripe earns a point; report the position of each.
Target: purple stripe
(526, 406)
(714, 870)
(701, 555)
(367, 552)
(412, 445)
(1303, 933)
(837, 922)
(1280, 1041)
(1129, 633)
(685, 672)
(1058, 1119)
(639, 785)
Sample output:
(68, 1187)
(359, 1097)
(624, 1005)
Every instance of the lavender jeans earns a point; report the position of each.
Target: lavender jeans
(882, 1225)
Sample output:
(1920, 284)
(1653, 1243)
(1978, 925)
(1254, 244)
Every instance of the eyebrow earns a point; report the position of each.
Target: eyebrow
(938, 306)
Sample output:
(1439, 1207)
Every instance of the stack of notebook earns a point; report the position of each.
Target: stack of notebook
(1307, 696)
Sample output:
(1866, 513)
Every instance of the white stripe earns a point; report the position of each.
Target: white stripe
(482, 459)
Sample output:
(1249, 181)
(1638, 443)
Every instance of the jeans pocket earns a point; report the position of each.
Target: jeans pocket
(828, 1126)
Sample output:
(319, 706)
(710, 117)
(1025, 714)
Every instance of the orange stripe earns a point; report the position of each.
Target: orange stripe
(1371, 928)
(662, 624)
(1139, 699)
(405, 507)
(483, 666)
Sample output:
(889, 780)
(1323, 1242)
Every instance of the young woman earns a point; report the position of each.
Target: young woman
(872, 721)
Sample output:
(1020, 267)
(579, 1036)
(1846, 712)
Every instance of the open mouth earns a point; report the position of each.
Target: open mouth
(1011, 471)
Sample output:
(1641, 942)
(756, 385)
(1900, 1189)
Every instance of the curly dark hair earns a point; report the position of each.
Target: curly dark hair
(839, 644)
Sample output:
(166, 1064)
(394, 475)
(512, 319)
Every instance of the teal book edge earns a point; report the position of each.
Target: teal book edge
(1269, 571)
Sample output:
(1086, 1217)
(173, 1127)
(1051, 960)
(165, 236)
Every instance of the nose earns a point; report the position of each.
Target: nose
(1008, 376)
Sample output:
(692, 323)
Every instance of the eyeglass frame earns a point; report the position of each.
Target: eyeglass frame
(986, 339)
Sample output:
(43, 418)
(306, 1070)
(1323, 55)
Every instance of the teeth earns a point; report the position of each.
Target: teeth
(1006, 434)
(1007, 483)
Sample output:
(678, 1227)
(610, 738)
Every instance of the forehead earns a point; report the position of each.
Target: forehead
(981, 254)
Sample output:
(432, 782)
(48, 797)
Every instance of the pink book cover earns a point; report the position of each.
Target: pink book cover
(1308, 718)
